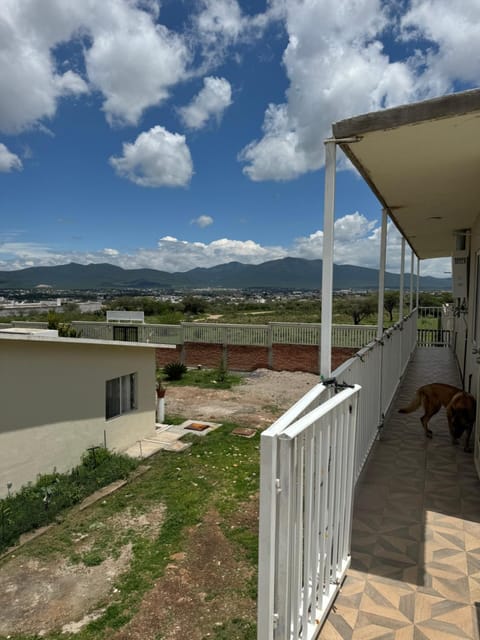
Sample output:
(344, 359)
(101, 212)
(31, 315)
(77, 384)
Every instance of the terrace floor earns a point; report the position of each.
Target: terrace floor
(415, 571)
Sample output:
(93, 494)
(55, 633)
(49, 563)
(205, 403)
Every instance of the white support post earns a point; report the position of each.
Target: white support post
(411, 281)
(402, 282)
(418, 282)
(327, 259)
(381, 277)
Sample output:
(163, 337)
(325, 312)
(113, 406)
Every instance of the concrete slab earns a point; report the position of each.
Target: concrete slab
(183, 430)
(167, 438)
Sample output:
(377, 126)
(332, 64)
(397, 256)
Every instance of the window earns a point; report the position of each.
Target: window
(121, 396)
(127, 334)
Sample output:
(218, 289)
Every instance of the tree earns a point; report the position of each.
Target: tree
(390, 301)
(358, 307)
(193, 305)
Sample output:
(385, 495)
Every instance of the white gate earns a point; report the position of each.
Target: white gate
(306, 486)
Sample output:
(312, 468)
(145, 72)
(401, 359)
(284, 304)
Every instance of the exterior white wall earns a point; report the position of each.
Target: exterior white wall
(52, 404)
(471, 376)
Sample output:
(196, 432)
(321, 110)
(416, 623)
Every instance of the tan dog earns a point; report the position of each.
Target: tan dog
(460, 406)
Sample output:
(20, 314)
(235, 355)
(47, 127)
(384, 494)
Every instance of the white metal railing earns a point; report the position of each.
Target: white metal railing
(255, 334)
(94, 330)
(435, 326)
(311, 458)
(305, 513)
(378, 368)
(160, 333)
(352, 336)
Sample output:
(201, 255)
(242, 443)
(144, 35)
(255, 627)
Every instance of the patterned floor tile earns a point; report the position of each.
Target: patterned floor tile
(415, 567)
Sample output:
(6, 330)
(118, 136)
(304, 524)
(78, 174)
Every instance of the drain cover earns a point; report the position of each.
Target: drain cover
(244, 432)
(197, 426)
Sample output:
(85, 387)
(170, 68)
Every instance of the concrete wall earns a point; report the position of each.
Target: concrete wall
(52, 404)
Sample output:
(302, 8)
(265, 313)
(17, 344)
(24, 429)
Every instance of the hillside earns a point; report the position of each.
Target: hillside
(287, 273)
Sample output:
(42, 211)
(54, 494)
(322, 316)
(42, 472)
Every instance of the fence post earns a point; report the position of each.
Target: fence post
(183, 355)
(320, 349)
(225, 348)
(270, 345)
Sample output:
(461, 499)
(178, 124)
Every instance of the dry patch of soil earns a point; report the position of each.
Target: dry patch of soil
(38, 596)
(202, 588)
(256, 403)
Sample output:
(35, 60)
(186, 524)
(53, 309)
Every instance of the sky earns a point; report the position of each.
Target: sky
(175, 134)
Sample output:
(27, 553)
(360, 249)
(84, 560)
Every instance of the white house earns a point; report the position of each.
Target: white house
(59, 396)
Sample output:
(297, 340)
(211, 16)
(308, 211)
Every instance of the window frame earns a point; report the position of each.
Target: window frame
(121, 396)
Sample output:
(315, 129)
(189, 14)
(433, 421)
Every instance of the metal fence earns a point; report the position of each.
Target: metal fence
(264, 335)
(378, 369)
(435, 326)
(308, 465)
(305, 513)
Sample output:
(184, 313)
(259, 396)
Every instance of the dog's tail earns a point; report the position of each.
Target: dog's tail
(413, 406)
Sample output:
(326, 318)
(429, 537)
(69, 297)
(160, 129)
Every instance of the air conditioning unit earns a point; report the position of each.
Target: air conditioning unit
(460, 264)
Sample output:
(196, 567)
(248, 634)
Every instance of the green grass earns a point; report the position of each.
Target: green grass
(206, 379)
(220, 471)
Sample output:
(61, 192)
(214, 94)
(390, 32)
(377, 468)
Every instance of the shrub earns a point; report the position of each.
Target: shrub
(65, 330)
(174, 370)
(38, 505)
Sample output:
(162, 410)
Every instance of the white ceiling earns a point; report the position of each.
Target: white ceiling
(423, 163)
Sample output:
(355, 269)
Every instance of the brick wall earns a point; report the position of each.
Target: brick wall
(295, 357)
(285, 357)
(245, 358)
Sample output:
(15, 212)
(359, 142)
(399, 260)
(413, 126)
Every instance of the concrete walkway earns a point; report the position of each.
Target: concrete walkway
(415, 571)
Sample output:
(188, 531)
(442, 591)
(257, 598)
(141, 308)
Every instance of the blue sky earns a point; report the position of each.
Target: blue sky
(184, 133)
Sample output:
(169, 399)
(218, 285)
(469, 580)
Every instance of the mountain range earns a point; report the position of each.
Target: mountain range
(286, 273)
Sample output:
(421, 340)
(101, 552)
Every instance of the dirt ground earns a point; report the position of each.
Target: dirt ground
(258, 402)
(38, 596)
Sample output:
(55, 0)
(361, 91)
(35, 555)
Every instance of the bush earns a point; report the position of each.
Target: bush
(38, 505)
(174, 370)
(65, 330)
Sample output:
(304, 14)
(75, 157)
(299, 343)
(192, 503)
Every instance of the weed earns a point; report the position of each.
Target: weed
(208, 379)
(40, 504)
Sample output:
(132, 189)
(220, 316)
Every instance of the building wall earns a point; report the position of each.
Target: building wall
(53, 404)
(471, 366)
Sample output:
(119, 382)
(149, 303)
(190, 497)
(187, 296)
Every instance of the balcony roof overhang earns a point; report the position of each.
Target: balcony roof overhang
(422, 161)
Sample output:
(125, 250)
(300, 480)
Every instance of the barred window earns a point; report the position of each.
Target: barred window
(120, 395)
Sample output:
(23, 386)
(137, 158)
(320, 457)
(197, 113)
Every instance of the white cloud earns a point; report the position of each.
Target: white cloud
(357, 243)
(129, 58)
(454, 31)
(211, 101)
(157, 158)
(220, 24)
(9, 160)
(132, 61)
(29, 84)
(337, 67)
(202, 221)
(220, 19)
(70, 83)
